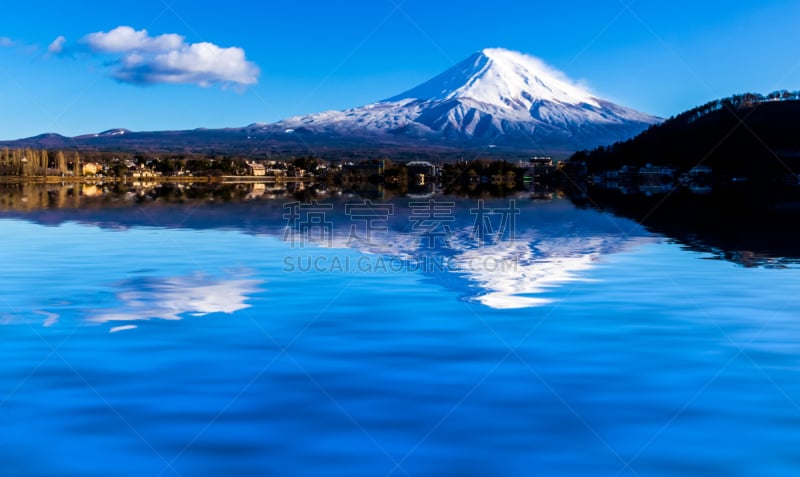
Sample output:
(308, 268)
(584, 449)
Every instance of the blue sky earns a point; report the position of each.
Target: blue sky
(289, 58)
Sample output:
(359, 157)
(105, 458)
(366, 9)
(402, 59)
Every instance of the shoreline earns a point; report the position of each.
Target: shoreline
(157, 179)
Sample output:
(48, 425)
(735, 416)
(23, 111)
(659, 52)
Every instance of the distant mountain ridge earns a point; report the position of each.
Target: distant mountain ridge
(495, 99)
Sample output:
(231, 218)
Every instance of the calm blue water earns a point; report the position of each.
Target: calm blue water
(194, 341)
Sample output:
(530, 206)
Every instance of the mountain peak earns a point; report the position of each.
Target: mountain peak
(114, 132)
(502, 78)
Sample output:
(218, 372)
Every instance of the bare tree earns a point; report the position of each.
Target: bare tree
(61, 163)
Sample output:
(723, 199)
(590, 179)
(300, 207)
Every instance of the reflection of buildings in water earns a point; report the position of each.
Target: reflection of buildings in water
(655, 180)
(700, 189)
(257, 190)
(148, 185)
(646, 189)
(296, 186)
(275, 193)
(263, 191)
(541, 192)
(172, 298)
(656, 189)
(27, 197)
(365, 190)
(422, 191)
(91, 190)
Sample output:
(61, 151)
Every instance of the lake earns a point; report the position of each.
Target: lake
(258, 331)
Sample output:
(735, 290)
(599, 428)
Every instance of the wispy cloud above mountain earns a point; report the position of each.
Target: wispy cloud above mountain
(19, 46)
(138, 58)
(57, 46)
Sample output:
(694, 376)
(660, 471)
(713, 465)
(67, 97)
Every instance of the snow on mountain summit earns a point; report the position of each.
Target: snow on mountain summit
(495, 95)
(502, 78)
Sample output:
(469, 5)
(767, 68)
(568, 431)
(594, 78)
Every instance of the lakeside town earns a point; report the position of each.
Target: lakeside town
(30, 165)
(115, 180)
(31, 179)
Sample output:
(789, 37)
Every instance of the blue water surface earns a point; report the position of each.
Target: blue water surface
(144, 349)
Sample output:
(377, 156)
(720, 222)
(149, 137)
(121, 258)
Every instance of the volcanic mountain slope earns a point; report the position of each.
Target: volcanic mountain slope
(495, 96)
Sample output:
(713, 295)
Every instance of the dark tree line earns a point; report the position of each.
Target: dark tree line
(749, 134)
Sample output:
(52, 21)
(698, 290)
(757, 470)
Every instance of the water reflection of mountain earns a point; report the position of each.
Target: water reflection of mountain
(551, 245)
(751, 227)
(503, 253)
(737, 224)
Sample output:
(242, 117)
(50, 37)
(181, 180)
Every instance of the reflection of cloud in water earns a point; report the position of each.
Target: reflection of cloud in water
(171, 298)
(50, 318)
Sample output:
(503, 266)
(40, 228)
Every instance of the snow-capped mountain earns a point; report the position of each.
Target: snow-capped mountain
(495, 96)
(108, 133)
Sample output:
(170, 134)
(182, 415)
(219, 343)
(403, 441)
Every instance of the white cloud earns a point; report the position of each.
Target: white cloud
(124, 39)
(28, 49)
(143, 59)
(57, 46)
(203, 64)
